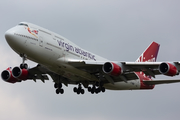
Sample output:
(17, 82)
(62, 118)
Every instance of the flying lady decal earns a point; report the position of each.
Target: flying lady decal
(33, 32)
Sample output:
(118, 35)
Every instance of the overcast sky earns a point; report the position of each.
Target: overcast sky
(115, 29)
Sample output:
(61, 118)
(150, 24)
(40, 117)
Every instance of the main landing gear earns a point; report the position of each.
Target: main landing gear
(96, 88)
(79, 90)
(58, 87)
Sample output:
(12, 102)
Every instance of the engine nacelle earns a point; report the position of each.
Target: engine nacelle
(19, 73)
(112, 69)
(7, 76)
(168, 69)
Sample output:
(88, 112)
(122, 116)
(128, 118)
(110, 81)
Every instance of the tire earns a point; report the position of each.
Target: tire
(57, 91)
(55, 85)
(99, 89)
(24, 66)
(59, 85)
(103, 89)
(89, 89)
(82, 91)
(96, 91)
(61, 91)
(75, 89)
(21, 66)
(78, 91)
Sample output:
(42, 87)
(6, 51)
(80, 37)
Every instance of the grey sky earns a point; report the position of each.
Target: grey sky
(114, 29)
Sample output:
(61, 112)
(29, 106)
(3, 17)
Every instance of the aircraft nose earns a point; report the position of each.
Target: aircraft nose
(8, 35)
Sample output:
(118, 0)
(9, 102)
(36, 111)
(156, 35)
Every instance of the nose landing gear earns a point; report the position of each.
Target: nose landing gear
(23, 65)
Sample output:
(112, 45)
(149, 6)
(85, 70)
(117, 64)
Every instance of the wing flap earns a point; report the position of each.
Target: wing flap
(38, 73)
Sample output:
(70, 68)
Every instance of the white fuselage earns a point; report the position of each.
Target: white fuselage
(54, 51)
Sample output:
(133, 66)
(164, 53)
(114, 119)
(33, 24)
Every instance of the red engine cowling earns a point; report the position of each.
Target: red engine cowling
(7, 76)
(168, 69)
(112, 69)
(19, 73)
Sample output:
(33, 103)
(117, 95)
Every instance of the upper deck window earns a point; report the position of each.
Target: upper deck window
(23, 24)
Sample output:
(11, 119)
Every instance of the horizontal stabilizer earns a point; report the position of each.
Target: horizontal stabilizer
(156, 82)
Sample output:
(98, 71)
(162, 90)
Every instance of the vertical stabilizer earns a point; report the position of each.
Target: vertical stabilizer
(150, 54)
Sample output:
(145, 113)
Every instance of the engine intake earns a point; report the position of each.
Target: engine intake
(112, 69)
(7, 76)
(20, 73)
(168, 69)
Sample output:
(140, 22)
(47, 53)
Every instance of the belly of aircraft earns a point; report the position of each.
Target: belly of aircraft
(129, 85)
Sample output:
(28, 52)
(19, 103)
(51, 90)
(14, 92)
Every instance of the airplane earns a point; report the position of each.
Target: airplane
(66, 63)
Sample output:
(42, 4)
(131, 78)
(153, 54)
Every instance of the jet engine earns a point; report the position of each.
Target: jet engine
(112, 69)
(7, 76)
(19, 73)
(168, 69)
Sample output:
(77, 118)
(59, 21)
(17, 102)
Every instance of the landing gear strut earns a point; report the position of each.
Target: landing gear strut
(23, 65)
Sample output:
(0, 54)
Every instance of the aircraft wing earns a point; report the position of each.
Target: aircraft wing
(156, 82)
(149, 68)
(146, 67)
(95, 68)
(38, 72)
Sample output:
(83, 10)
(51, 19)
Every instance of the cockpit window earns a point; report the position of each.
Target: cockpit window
(23, 24)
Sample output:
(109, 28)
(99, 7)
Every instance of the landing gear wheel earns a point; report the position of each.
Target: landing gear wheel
(75, 89)
(103, 89)
(21, 66)
(78, 91)
(89, 89)
(55, 85)
(24, 66)
(61, 91)
(59, 85)
(97, 91)
(57, 91)
(82, 91)
(92, 91)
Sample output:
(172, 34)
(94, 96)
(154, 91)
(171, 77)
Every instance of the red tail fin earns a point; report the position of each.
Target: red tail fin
(150, 54)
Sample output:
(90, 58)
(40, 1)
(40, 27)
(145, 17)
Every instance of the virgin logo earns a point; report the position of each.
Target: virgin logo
(144, 59)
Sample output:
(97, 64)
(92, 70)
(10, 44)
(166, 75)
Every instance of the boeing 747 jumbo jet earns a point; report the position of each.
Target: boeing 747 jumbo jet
(67, 63)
